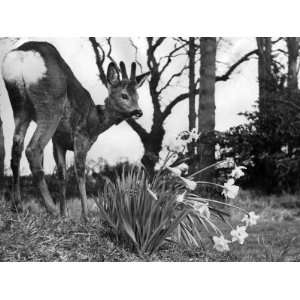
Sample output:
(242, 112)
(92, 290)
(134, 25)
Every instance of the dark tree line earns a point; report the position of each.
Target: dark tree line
(269, 143)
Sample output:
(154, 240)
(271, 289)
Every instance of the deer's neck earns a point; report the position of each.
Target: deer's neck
(107, 118)
(101, 118)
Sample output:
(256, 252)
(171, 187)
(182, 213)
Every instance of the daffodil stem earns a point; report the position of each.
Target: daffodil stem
(211, 183)
(206, 168)
(168, 157)
(216, 201)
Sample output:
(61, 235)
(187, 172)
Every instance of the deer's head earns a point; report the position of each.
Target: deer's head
(123, 96)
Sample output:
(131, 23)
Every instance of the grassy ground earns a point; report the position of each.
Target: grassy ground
(35, 236)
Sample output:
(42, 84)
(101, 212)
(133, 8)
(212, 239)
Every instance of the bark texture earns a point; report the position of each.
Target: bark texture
(192, 88)
(206, 112)
(265, 79)
(293, 52)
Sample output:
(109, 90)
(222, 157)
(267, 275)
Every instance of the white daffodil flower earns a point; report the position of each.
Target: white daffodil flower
(285, 149)
(220, 243)
(153, 195)
(180, 197)
(193, 135)
(175, 171)
(230, 190)
(239, 234)
(177, 145)
(183, 167)
(228, 163)
(237, 172)
(190, 184)
(250, 219)
(202, 209)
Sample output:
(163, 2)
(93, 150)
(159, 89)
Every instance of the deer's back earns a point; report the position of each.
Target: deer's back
(35, 71)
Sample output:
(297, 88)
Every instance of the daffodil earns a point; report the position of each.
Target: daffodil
(177, 145)
(230, 189)
(175, 171)
(228, 163)
(180, 197)
(190, 184)
(237, 172)
(220, 243)
(193, 135)
(202, 209)
(250, 219)
(183, 167)
(239, 234)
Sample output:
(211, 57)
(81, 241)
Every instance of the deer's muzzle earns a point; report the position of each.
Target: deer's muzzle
(136, 113)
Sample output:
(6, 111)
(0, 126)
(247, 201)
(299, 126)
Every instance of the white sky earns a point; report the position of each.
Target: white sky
(233, 96)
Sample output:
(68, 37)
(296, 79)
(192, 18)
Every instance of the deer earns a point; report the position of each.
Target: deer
(42, 88)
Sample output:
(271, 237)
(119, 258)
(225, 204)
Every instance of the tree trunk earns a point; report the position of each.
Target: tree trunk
(265, 79)
(192, 88)
(206, 112)
(2, 155)
(152, 145)
(293, 52)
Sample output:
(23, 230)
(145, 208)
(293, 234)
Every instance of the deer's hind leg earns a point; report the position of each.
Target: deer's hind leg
(59, 154)
(22, 118)
(49, 111)
(21, 126)
(34, 153)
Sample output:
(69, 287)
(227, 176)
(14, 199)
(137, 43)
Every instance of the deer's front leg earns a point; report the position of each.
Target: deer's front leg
(81, 147)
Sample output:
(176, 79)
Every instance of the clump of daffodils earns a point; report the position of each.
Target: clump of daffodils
(201, 210)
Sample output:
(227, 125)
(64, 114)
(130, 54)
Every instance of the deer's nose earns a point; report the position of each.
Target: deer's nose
(137, 113)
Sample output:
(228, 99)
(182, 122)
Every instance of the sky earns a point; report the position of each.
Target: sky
(236, 95)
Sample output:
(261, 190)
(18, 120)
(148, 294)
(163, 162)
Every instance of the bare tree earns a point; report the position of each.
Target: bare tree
(152, 140)
(159, 62)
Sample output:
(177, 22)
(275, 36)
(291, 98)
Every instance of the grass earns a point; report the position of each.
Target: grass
(35, 236)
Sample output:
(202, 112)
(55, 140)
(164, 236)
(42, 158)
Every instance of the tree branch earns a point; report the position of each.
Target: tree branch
(100, 58)
(136, 54)
(172, 104)
(158, 43)
(224, 77)
(227, 74)
(170, 56)
(143, 134)
(178, 74)
(276, 41)
(109, 52)
(155, 76)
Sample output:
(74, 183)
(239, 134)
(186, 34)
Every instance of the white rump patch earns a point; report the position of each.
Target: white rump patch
(27, 66)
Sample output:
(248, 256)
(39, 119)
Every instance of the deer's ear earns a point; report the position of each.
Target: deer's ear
(141, 79)
(113, 76)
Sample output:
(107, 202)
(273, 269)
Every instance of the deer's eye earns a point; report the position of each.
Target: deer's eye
(125, 96)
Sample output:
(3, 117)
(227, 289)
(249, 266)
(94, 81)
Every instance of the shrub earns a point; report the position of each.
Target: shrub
(268, 144)
(132, 209)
